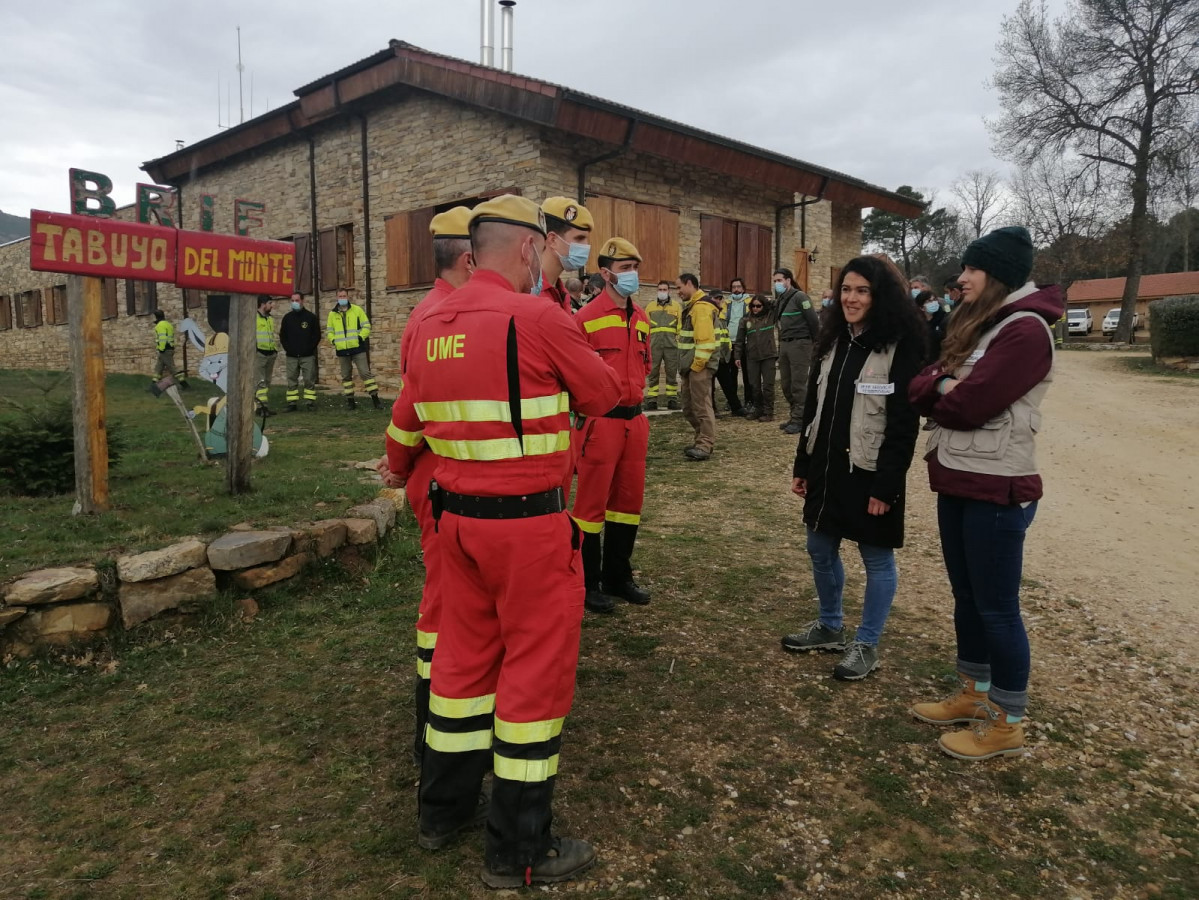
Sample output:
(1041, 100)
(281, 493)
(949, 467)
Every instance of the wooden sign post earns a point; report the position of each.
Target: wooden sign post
(87, 371)
(239, 412)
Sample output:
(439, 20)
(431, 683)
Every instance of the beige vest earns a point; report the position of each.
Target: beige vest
(868, 417)
(1006, 445)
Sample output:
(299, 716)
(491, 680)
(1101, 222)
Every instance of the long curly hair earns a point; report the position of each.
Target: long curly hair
(892, 316)
(969, 321)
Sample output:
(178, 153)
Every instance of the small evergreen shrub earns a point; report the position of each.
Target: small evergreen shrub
(37, 450)
(1174, 326)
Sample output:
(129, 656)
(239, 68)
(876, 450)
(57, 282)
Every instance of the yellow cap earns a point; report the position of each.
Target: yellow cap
(453, 223)
(569, 211)
(618, 248)
(510, 210)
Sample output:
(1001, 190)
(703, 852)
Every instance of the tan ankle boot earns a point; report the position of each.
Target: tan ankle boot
(960, 706)
(992, 736)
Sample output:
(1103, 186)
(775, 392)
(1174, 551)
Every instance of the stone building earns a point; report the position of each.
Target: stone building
(354, 168)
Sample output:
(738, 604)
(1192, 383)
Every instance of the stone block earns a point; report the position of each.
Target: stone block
(10, 614)
(58, 624)
(51, 586)
(382, 511)
(162, 563)
(361, 531)
(142, 600)
(243, 549)
(326, 536)
(397, 497)
(261, 576)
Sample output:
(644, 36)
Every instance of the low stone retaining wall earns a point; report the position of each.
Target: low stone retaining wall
(59, 605)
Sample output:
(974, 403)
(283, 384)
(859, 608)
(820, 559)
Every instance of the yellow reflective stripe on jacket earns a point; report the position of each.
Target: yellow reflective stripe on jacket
(492, 410)
(407, 438)
(500, 448)
(426, 640)
(461, 707)
(527, 732)
(526, 770)
(643, 327)
(603, 322)
(588, 527)
(457, 742)
(622, 518)
(661, 328)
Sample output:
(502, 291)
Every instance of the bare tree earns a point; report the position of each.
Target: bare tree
(1182, 179)
(1114, 82)
(981, 196)
(1067, 208)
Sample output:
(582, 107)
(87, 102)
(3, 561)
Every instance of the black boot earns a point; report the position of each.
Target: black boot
(351, 403)
(519, 848)
(594, 599)
(376, 401)
(292, 407)
(617, 578)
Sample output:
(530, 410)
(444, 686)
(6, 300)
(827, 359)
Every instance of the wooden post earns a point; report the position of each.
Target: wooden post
(239, 411)
(84, 300)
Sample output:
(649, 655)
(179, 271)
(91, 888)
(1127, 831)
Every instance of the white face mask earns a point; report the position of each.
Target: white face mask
(663, 296)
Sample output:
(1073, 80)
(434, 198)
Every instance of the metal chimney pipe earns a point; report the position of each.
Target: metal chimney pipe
(506, 34)
(487, 36)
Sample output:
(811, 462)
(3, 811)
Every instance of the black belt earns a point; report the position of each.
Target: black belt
(623, 412)
(802, 337)
(521, 507)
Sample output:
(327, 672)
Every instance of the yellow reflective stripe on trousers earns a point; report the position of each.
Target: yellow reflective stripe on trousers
(500, 448)
(424, 669)
(588, 527)
(603, 322)
(407, 438)
(462, 707)
(526, 770)
(457, 742)
(492, 410)
(527, 732)
(623, 518)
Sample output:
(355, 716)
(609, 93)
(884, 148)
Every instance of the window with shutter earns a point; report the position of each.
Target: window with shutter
(5, 312)
(303, 279)
(730, 249)
(31, 309)
(327, 259)
(409, 245)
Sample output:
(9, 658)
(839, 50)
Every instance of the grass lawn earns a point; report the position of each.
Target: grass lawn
(1144, 365)
(159, 488)
(212, 757)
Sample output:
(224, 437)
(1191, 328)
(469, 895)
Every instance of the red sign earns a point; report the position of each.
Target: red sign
(217, 262)
(104, 248)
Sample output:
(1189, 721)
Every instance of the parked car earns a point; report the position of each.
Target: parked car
(1079, 321)
(1112, 319)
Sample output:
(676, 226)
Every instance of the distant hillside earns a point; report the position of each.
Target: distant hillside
(12, 227)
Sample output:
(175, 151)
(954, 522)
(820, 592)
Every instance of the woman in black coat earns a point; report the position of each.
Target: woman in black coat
(859, 434)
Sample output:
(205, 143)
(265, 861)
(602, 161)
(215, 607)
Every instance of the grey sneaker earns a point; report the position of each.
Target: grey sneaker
(858, 662)
(815, 636)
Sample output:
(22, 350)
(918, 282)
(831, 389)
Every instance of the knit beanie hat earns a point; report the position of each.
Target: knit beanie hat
(1005, 254)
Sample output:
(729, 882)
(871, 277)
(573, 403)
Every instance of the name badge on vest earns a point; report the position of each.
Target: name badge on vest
(974, 357)
(876, 389)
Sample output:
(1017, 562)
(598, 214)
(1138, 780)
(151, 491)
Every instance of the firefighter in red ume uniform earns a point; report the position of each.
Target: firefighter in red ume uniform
(488, 387)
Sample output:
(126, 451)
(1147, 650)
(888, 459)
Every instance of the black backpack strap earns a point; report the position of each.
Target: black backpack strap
(513, 365)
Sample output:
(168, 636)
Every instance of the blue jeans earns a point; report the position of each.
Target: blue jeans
(983, 546)
(882, 579)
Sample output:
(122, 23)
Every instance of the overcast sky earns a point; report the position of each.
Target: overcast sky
(893, 93)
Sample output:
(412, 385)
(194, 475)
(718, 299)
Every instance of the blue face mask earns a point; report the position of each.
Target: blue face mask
(931, 307)
(627, 283)
(577, 257)
(826, 301)
(948, 300)
(915, 293)
(297, 305)
(737, 296)
(342, 301)
(780, 286)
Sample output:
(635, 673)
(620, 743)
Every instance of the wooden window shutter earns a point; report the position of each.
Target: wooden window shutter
(303, 277)
(834, 272)
(327, 258)
(108, 298)
(604, 227)
(421, 267)
(345, 256)
(5, 313)
(58, 304)
(802, 270)
(395, 237)
(746, 265)
(657, 237)
(151, 296)
(765, 260)
(711, 247)
(130, 297)
(17, 311)
(191, 299)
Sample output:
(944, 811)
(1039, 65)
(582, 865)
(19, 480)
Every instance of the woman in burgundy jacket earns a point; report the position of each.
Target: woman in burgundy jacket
(983, 396)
